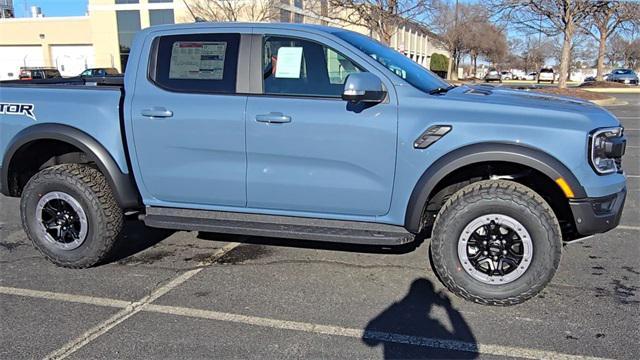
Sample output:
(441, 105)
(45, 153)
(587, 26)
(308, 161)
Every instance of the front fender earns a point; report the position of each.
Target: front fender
(484, 152)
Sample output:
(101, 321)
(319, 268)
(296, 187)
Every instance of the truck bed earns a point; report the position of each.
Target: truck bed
(117, 81)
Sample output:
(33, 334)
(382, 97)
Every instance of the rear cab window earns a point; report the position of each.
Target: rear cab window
(201, 63)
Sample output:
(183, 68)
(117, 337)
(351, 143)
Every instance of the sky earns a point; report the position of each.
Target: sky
(51, 8)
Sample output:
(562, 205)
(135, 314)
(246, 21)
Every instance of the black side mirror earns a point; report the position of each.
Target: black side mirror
(363, 87)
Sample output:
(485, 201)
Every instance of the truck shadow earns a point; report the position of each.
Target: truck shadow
(136, 238)
(409, 329)
(316, 245)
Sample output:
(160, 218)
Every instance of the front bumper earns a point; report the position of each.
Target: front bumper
(598, 215)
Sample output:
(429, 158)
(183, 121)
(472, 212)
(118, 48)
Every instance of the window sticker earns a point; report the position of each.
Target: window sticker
(289, 62)
(197, 60)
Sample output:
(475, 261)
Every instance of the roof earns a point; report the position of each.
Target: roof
(246, 25)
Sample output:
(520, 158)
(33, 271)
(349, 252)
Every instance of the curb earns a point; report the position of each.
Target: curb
(613, 90)
(609, 102)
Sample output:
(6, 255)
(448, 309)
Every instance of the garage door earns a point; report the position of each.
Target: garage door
(13, 57)
(71, 60)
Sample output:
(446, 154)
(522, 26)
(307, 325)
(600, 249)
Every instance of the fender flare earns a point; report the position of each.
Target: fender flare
(123, 185)
(476, 153)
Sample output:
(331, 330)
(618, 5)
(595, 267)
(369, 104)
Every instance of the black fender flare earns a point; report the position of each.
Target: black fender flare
(123, 185)
(484, 152)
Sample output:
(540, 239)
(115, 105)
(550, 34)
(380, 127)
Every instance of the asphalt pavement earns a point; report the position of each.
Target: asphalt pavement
(195, 295)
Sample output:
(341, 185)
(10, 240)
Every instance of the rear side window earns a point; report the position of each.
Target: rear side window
(205, 63)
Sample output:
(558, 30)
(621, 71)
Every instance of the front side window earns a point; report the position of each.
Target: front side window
(198, 63)
(293, 66)
(400, 65)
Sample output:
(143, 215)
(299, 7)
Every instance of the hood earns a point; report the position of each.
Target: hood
(529, 106)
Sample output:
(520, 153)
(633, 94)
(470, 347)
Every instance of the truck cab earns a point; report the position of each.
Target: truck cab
(310, 132)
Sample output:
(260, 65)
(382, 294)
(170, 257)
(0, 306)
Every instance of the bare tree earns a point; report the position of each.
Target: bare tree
(552, 18)
(381, 17)
(231, 10)
(459, 28)
(624, 52)
(605, 21)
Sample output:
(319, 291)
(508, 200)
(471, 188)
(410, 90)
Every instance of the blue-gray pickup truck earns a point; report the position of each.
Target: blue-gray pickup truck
(311, 133)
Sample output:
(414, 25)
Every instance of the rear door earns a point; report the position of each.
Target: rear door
(308, 150)
(187, 121)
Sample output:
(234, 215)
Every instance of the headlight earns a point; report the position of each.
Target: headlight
(606, 147)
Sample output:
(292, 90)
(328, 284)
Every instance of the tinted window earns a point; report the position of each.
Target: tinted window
(128, 22)
(397, 63)
(160, 17)
(299, 67)
(198, 63)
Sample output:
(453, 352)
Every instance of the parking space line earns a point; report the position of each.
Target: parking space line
(455, 345)
(48, 295)
(131, 309)
(627, 227)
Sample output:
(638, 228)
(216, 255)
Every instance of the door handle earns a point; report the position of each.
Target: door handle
(273, 118)
(157, 112)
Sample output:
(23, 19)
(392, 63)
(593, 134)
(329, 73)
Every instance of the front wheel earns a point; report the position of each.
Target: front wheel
(69, 213)
(496, 243)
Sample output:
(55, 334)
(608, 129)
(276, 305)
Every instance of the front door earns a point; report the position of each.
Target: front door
(308, 150)
(188, 123)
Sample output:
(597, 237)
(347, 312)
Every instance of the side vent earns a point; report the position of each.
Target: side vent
(431, 135)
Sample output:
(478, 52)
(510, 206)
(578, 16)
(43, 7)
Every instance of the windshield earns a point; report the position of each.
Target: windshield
(622, 71)
(399, 64)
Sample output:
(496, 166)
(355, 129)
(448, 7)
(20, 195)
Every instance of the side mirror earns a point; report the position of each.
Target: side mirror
(363, 87)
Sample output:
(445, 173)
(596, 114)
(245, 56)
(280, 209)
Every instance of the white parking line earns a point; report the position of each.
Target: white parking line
(144, 306)
(627, 227)
(131, 309)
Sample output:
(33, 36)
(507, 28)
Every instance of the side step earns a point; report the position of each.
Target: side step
(353, 232)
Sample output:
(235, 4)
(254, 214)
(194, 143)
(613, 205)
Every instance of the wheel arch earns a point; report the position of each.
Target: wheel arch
(122, 184)
(512, 153)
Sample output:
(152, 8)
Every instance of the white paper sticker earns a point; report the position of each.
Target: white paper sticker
(197, 60)
(289, 62)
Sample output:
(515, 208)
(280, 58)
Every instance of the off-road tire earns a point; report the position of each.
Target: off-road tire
(496, 197)
(90, 189)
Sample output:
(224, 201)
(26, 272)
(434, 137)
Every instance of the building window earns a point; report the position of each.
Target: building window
(297, 3)
(128, 22)
(285, 15)
(160, 17)
(127, 1)
(298, 18)
(159, 1)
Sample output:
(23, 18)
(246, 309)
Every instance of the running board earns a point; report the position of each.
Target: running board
(339, 231)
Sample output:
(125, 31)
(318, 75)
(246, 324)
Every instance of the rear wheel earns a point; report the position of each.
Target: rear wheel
(496, 243)
(69, 213)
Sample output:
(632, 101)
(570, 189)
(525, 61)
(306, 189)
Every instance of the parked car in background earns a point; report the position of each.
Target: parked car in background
(31, 73)
(623, 76)
(546, 74)
(506, 75)
(493, 75)
(530, 76)
(589, 79)
(100, 72)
